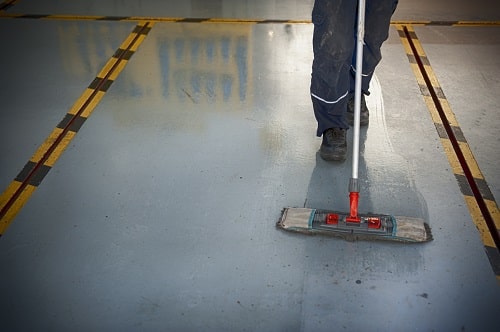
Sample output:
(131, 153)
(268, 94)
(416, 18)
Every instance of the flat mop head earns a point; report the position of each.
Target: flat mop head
(367, 227)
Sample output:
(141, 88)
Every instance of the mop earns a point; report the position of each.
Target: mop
(353, 226)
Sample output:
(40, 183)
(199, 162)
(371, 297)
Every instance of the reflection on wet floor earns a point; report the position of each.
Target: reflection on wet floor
(205, 65)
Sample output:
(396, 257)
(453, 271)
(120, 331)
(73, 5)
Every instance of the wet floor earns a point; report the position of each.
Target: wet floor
(160, 212)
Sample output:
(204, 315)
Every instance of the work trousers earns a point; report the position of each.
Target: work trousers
(334, 46)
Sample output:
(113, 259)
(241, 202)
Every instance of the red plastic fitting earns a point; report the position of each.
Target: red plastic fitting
(332, 219)
(353, 198)
(374, 222)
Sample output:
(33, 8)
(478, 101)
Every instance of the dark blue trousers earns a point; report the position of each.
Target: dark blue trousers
(334, 46)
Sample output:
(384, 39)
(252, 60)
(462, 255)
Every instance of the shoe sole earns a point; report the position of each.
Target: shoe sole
(332, 156)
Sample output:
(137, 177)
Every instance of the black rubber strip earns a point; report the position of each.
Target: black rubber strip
(142, 30)
(194, 20)
(7, 4)
(36, 16)
(113, 18)
(424, 59)
(33, 179)
(123, 54)
(494, 259)
(443, 23)
(272, 21)
(74, 125)
(100, 84)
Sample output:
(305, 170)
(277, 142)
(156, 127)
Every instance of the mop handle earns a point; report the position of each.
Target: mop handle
(353, 184)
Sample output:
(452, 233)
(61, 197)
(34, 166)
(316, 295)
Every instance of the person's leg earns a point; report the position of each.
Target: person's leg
(377, 22)
(333, 47)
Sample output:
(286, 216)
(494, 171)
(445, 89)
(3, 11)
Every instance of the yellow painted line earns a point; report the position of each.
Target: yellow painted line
(109, 65)
(445, 23)
(399, 23)
(471, 160)
(140, 40)
(70, 17)
(93, 103)
(50, 141)
(119, 67)
(480, 223)
(452, 158)
(480, 201)
(59, 148)
(493, 208)
(154, 19)
(477, 23)
(80, 101)
(9, 192)
(434, 114)
(20, 190)
(75, 17)
(450, 116)
(14, 209)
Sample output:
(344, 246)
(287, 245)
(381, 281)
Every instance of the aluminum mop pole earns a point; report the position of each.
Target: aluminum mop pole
(353, 182)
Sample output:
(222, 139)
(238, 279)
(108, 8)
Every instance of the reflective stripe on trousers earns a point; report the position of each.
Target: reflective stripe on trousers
(334, 43)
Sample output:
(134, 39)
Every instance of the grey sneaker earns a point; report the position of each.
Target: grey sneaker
(364, 116)
(334, 146)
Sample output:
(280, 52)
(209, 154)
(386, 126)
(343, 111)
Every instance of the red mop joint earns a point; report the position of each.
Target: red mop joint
(354, 219)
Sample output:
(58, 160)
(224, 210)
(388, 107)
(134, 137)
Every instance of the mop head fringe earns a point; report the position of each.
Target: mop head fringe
(386, 227)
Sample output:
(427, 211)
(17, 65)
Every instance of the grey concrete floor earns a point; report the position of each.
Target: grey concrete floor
(160, 213)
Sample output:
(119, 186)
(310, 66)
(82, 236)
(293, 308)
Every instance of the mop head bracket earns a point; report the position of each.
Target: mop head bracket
(374, 222)
(342, 222)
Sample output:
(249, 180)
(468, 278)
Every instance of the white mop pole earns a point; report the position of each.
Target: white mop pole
(357, 89)
(353, 183)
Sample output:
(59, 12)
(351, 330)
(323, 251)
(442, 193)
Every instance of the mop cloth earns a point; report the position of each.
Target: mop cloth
(394, 228)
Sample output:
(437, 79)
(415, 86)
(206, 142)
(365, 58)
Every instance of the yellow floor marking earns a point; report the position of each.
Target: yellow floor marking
(15, 197)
